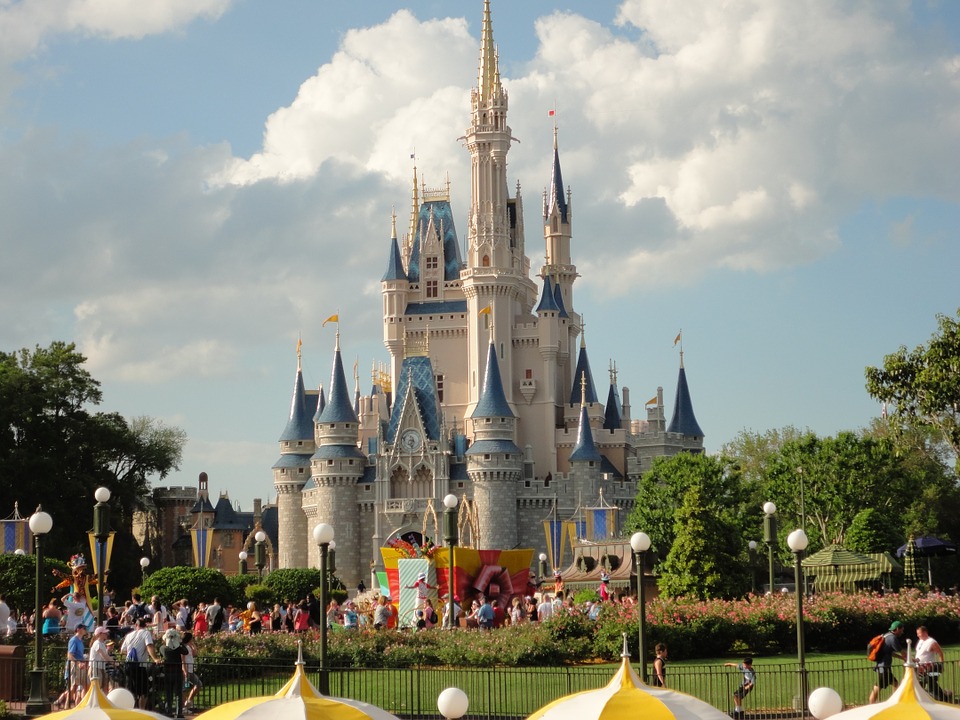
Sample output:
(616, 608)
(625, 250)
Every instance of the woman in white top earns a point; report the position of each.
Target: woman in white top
(930, 665)
(100, 656)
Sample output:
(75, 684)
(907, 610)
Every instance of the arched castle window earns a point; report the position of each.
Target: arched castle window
(486, 261)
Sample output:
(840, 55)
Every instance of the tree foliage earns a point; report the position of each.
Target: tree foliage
(55, 450)
(661, 491)
(293, 583)
(922, 385)
(705, 557)
(195, 584)
(18, 579)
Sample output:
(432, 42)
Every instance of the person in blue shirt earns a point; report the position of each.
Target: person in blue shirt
(485, 615)
(746, 685)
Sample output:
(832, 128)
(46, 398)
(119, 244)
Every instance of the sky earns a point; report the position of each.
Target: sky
(187, 186)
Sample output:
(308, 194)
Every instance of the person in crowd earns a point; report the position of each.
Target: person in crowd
(201, 626)
(138, 651)
(545, 608)
(430, 616)
(75, 670)
(892, 646)
(485, 614)
(517, 611)
(747, 683)
(101, 661)
(193, 680)
(381, 615)
(51, 619)
(351, 619)
(930, 665)
(333, 614)
(276, 618)
(530, 608)
(215, 616)
(172, 652)
(423, 589)
(660, 665)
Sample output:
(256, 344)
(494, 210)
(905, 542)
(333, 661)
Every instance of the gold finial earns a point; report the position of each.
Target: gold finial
(393, 224)
(415, 207)
(583, 389)
(613, 372)
(489, 75)
(299, 345)
(583, 332)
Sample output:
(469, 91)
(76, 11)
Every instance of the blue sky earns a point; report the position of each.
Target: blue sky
(184, 192)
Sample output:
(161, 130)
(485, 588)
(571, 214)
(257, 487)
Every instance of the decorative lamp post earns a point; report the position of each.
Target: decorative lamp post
(770, 534)
(101, 533)
(797, 541)
(144, 564)
(19, 551)
(38, 704)
(243, 562)
(450, 537)
(453, 703)
(543, 566)
(640, 543)
(331, 562)
(752, 551)
(260, 552)
(323, 535)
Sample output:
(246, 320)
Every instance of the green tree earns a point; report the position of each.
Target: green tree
(18, 579)
(922, 386)
(661, 491)
(293, 583)
(705, 559)
(55, 450)
(871, 532)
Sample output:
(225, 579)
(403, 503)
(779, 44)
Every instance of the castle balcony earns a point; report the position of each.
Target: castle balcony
(403, 506)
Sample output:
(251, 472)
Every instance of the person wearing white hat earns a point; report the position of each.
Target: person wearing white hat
(100, 656)
(423, 589)
(174, 671)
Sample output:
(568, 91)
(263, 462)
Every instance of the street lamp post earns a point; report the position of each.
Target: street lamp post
(323, 535)
(38, 703)
(243, 562)
(542, 569)
(331, 563)
(640, 543)
(101, 533)
(770, 535)
(260, 552)
(752, 551)
(144, 564)
(450, 537)
(797, 541)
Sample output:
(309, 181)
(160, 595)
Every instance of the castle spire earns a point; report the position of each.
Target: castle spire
(338, 408)
(493, 401)
(613, 417)
(395, 269)
(299, 425)
(585, 449)
(583, 373)
(414, 208)
(557, 199)
(488, 82)
(683, 420)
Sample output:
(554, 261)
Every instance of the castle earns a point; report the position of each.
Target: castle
(488, 394)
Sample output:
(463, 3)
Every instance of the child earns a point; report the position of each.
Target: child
(746, 685)
(660, 666)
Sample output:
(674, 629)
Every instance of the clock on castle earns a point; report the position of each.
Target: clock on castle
(488, 394)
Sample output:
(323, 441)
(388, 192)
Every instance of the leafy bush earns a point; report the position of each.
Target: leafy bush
(195, 584)
(262, 595)
(292, 583)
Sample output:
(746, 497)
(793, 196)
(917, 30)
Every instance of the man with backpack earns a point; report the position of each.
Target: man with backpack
(215, 616)
(883, 654)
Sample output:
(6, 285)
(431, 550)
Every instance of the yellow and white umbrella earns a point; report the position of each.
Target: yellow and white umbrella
(626, 697)
(297, 700)
(97, 706)
(908, 702)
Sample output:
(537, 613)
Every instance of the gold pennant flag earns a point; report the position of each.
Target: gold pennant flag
(485, 311)
(651, 401)
(677, 338)
(332, 318)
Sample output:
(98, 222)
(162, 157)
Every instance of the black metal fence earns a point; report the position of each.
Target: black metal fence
(503, 693)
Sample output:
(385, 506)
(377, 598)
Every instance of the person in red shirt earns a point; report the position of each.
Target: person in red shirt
(499, 614)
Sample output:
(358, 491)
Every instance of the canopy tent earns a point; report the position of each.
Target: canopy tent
(836, 568)
(95, 705)
(926, 546)
(881, 574)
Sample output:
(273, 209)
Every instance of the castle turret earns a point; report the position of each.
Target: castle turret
(337, 466)
(683, 420)
(585, 459)
(395, 286)
(613, 416)
(290, 474)
(494, 462)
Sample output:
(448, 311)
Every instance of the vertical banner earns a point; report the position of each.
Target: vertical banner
(201, 539)
(100, 552)
(16, 535)
(553, 532)
(601, 523)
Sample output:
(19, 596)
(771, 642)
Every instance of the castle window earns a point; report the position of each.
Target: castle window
(299, 443)
(486, 261)
(501, 351)
(440, 388)
(529, 374)
(350, 462)
(526, 483)
(299, 471)
(432, 289)
(329, 463)
(486, 456)
(432, 262)
(459, 486)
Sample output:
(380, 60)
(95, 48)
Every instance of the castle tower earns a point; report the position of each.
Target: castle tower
(494, 462)
(683, 420)
(496, 272)
(394, 287)
(290, 474)
(337, 465)
(585, 459)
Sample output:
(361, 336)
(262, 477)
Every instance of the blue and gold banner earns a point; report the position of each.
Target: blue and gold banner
(16, 535)
(202, 541)
(100, 550)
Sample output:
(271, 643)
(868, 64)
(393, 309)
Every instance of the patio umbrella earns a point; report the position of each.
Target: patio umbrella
(625, 697)
(908, 702)
(911, 573)
(297, 700)
(928, 546)
(96, 706)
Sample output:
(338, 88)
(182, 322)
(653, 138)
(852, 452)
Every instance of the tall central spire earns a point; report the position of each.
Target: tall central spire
(488, 81)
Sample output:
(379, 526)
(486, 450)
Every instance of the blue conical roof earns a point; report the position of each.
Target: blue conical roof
(395, 269)
(557, 198)
(338, 408)
(585, 449)
(493, 401)
(547, 301)
(299, 426)
(684, 421)
(558, 298)
(321, 404)
(583, 367)
(613, 417)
